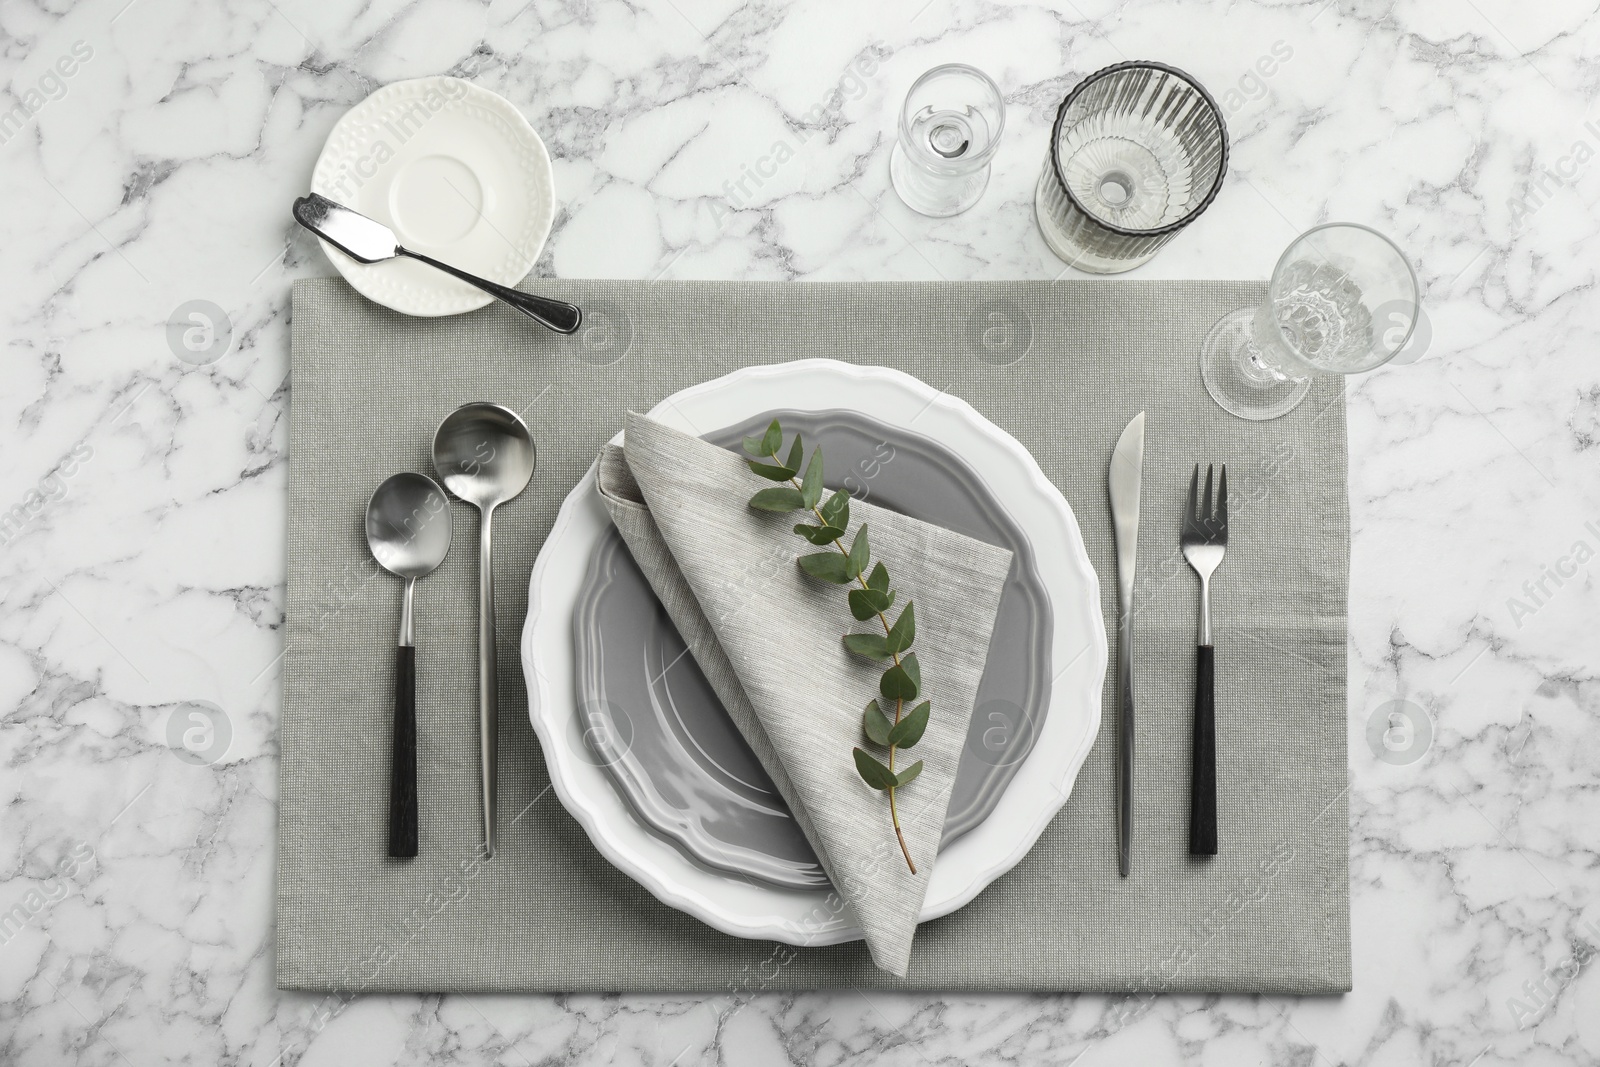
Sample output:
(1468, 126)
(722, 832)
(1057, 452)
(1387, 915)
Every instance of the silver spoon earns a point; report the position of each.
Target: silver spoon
(369, 241)
(408, 528)
(485, 455)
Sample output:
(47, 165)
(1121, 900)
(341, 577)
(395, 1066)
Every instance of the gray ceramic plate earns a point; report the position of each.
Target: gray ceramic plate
(652, 720)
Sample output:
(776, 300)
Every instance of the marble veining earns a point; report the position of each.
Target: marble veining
(150, 149)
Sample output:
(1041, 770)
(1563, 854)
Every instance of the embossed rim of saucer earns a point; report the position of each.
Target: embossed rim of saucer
(972, 862)
(471, 131)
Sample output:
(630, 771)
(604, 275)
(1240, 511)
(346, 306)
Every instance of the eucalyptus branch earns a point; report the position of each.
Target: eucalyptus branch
(872, 598)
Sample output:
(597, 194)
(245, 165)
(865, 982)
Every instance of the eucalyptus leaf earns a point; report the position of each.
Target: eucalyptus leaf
(770, 472)
(768, 443)
(836, 509)
(797, 454)
(905, 776)
(879, 578)
(772, 440)
(902, 681)
(908, 731)
(829, 566)
(781, 498)
(860, 553)
(876, 724)
(811, 488)
(874, 773)
(867, 603)
(819, 535)
(869, 645)
(904, 630)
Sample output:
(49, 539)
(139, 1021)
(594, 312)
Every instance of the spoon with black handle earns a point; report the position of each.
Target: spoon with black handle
(408, 528)
(369, 241)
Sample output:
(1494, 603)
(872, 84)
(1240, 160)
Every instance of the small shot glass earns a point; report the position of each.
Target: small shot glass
(950, 126)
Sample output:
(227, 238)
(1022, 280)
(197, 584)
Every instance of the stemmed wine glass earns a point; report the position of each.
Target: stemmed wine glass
(1342, 300)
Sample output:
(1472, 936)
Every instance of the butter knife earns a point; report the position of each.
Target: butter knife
(1127, 468)
(370, 241)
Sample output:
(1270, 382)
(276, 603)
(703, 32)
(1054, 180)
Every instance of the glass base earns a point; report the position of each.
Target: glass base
(1237, 380)
(1074, 255)
(936, 195)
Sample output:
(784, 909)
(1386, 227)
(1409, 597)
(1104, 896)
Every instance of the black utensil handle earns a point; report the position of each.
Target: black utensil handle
(403, 771)
(1203, 782)
(1125, 736)
(558, 315)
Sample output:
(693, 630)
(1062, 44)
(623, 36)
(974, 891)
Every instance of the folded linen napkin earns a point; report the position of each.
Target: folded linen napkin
(768, 638)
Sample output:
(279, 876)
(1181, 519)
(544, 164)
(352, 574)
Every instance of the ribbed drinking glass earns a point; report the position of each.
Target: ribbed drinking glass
(1137, 152)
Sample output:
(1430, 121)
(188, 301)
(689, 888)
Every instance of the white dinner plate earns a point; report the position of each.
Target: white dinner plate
(747, 908)
(668, 743)
(457, 173)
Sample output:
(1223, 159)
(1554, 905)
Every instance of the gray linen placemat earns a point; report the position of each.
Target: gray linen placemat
(1062, 366)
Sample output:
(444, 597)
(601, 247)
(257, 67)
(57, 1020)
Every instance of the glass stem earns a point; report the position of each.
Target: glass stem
(1259, 364)
(1263, 365)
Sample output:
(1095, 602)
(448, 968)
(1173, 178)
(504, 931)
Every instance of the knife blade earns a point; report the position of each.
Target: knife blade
(1122, 480)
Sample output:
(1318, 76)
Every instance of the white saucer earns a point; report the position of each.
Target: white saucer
(457, 173)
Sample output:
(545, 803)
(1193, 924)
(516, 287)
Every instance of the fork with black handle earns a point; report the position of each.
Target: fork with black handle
(1204, 540)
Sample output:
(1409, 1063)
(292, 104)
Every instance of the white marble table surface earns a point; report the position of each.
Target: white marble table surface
(142, 498)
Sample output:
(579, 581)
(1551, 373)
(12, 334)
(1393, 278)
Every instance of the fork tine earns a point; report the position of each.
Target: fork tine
(1190, 514)
(1210, 469)
(1222, 498)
